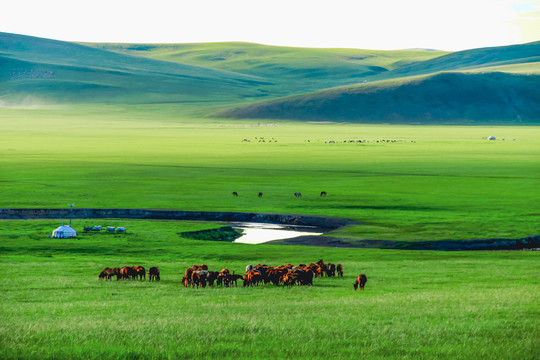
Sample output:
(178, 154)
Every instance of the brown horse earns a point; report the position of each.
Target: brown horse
(235, 194)
(153, 274)
(198, 278)
(339, 270)
(360, 282)
(260, 194)
(323, 194)
(141, 272)
(109, 272)
(128, 272)
(232, 278)
(186, 280)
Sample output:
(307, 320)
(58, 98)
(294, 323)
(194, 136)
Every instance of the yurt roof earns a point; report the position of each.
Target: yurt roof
(64, 228)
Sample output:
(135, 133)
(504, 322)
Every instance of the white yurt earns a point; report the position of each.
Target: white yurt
(64, 231)
(491, 137)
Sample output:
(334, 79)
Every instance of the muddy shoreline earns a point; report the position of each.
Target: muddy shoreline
(527, 243)
(323, 223)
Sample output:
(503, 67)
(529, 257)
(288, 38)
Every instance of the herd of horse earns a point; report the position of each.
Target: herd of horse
(296, 194)
(130, 273)
(286, 275)
(200, 276)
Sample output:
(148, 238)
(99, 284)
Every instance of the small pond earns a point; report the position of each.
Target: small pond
(258, 233)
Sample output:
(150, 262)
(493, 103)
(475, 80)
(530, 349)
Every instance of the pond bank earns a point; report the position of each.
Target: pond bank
(528, 243)
(320, 224)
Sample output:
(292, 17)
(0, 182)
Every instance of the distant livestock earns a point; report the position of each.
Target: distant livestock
(235, 194)
(360, 282)
(260, 194)
(323, 193)
(298, 194)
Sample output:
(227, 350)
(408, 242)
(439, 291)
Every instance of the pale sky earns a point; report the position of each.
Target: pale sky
(373, 24)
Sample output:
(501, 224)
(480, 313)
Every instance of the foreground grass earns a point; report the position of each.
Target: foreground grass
(448, 184)
(420, 305)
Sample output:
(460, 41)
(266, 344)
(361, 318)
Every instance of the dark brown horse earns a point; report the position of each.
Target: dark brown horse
(323, 194)
(153, 274)
(360, 282)
(234, 193)
(141, 271)
(128, 272)
(198, 278)
(260, 194)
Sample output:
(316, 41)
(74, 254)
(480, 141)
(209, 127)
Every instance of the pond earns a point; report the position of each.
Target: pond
(258, 233)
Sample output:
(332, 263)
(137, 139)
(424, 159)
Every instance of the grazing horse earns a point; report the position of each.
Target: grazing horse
(128, 272)
(211, 277)
(360, 281)
(233, 278)
(153, 273)
(323, 193)
(109, 272)
(339, 270)
(317, 270)
(297, 194)
(260, 194)
(249, 267)
(222, 277)
(141, 272)
(234, 193)
(186, 280)
(330, 270)
(198, 278)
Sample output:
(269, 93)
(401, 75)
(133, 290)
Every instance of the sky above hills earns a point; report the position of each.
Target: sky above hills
(382, 24)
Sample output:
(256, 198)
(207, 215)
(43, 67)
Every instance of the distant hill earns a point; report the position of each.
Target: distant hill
(471, 98)
(472, 59)
(293, 70)
(490, 85)
(58, 71)
(478, 86)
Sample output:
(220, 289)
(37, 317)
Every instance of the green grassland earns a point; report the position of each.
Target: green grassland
(416, 304)
(448, 184)
(124, 126)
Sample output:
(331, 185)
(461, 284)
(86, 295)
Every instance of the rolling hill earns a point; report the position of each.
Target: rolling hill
(62, 72)
(244, 80)
(448, 97)
(293, 70)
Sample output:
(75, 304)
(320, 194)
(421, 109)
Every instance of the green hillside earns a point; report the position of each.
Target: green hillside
(36, 69)
(472, 98)
(488, 85)
(473, 59)
(294, 70)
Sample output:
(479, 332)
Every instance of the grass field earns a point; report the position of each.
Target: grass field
(448, 184)
(152, 139)
(420, 305)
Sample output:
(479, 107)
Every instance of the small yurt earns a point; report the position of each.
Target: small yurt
(491, 137)
(64, 231)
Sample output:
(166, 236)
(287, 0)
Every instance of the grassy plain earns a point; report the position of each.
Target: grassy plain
(421, 305)
(447, 184)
